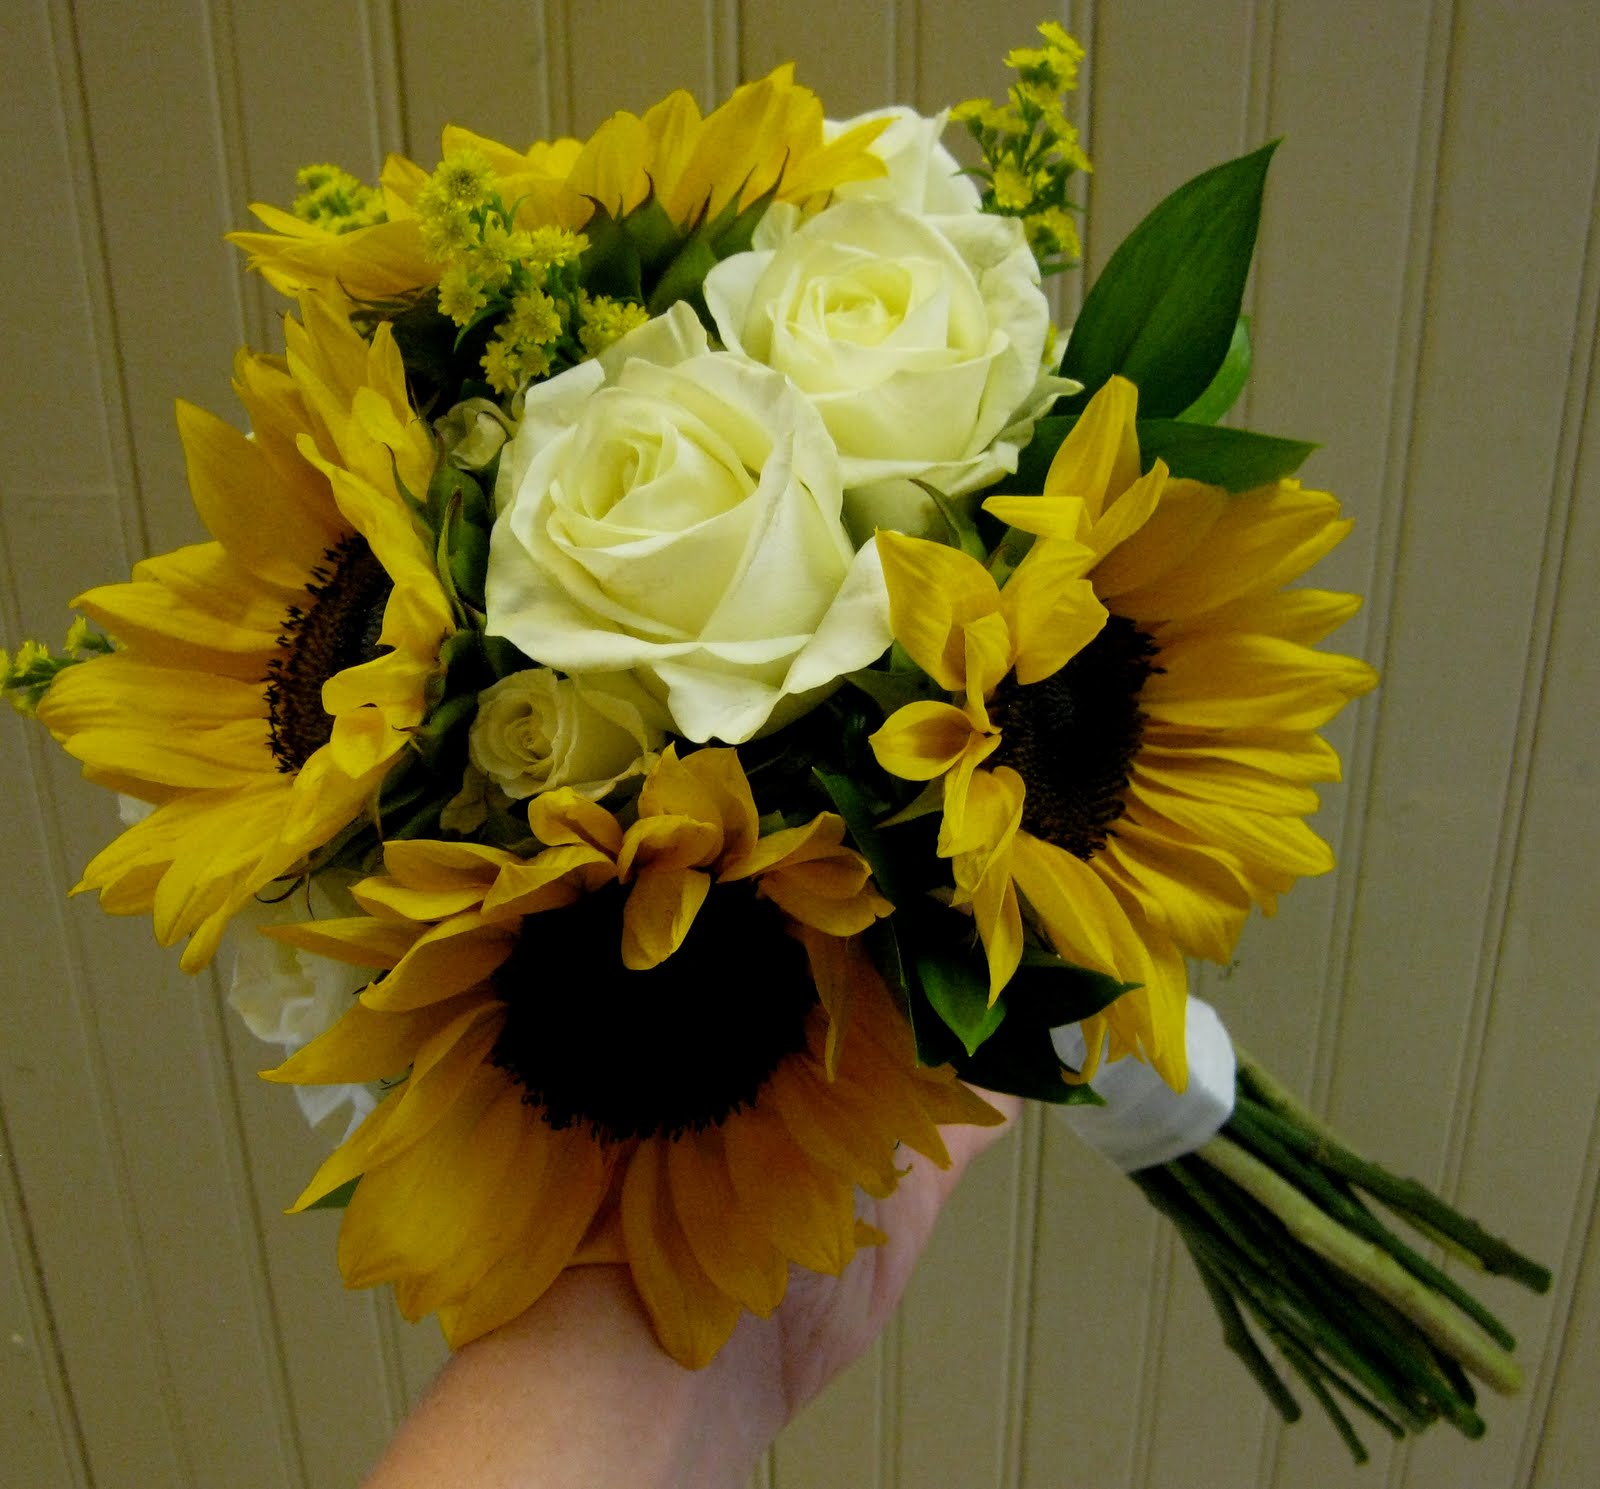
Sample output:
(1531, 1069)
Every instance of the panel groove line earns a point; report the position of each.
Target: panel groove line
(229, 158)
(97, 1102)
(391, 123)
(93, 252)
(722, 27)
(251, 290)
(1328, 1036)
(1152, 1353)
(252, 1230)
(1564, 1363)
(1553, 566)
(1254, 128)
(1020, 1296)
(41, 1316)
(1578, 429)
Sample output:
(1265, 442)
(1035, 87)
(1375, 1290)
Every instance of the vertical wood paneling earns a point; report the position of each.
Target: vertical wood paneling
(151, 116)
(1429, 907)
(844, 50)
(622, 56)
(1562, 1451)
(64, 1140)
(1421, 299)
(44, 1444)
(954, 1330)
(486, 67)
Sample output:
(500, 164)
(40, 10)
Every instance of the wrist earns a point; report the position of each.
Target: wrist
(576, 1392)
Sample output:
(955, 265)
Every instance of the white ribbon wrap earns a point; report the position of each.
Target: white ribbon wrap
(1144, 1121)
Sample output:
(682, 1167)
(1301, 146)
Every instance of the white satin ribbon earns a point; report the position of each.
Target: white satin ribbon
(1144, 1121)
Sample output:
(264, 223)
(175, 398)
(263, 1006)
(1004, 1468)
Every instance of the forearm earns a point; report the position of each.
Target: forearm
(576, 1394)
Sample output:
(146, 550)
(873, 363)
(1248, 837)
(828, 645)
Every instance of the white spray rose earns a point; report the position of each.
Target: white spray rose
(920, 339)
(287, 997)
(675, 513)
(535, 731)
(922, 175)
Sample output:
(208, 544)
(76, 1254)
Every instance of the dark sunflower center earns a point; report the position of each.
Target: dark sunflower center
(338, 629)
(1073, 737)
(637, 1054)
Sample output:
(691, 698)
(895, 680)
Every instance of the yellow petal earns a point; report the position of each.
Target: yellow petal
(575, 1176)
(365, 1046)
(661, 907)
(562, 817)
(1099, 458)
(934, 591)
(808, 1213)
(692, 1316)
(1060, 518)
(1052, 614)
(922, 740)
(446, 959)
(735, 1258)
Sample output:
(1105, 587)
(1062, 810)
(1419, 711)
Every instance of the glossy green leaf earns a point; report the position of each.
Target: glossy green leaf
(1163, 311)
(1229, 382)
(1237, 459)
(958, 988)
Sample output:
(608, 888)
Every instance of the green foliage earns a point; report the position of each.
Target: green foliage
(1236, 459)
(1164, 311)
(1228, 384)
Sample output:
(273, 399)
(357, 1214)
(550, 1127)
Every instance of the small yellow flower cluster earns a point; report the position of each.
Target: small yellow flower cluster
(1031, 149)
(336, 200)
(603, 320)
(525, 280)
(26, 674)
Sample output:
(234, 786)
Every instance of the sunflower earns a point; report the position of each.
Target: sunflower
(265, 682)
(1134, 757)
(700, 1101)
(767, 138)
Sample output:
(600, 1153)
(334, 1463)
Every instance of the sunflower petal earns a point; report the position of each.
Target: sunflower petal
(692, 1316)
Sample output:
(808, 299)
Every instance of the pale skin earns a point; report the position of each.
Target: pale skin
(576, 1393)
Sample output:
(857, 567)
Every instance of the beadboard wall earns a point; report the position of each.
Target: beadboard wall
(1424, 304)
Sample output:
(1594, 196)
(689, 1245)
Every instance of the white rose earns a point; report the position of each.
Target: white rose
(674, 512)
(535, 731)
(922, 175)
(287, 997)
(921, 341)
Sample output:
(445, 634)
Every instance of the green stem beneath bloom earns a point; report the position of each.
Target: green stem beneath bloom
(1368, 1264)
(1311, 1138)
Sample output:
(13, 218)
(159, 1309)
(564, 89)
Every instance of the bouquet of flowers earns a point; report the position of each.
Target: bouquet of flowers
(693, 672)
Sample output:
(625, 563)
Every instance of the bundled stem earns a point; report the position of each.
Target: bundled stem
(1271, 1214)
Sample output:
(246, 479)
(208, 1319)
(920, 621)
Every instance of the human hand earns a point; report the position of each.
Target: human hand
(576, 1392)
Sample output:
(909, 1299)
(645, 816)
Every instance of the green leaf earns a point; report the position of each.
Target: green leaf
(963, 530)
(1163, 311)
(336, 1199)
(1047, 990)
(851, 803)
(892, 690)
(1044, 992)
(958, 988)
(1237, 459)
(1229, 382)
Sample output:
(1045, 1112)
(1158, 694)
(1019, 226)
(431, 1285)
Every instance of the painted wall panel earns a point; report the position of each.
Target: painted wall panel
(1424, 302)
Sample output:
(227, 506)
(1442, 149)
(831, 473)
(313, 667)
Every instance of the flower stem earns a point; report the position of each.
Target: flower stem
(1368, 1264)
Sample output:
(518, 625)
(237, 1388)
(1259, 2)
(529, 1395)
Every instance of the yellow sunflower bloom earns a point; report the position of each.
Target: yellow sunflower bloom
(1142, 781)
(265, 682)
(766, 138)
(704, 1118)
